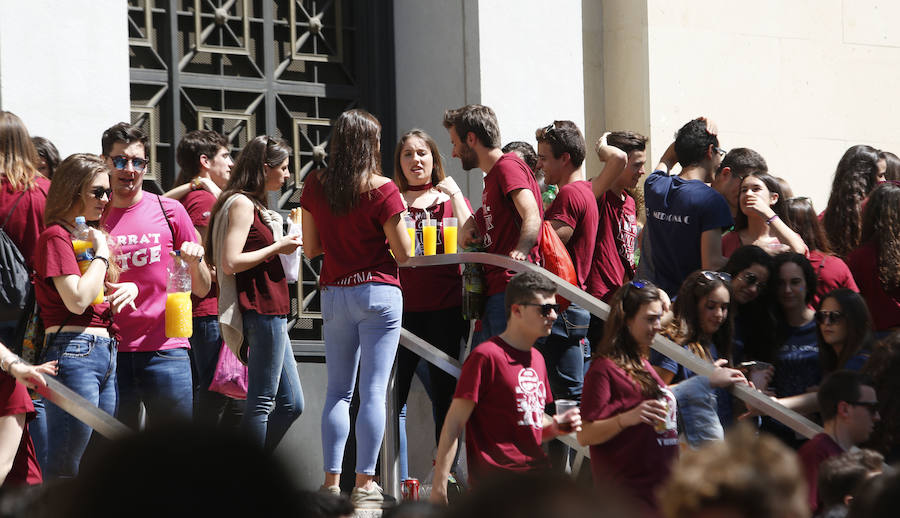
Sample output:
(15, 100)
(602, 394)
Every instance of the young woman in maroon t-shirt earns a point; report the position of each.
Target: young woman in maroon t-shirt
(353, 215)
(432, 297)
(876, 263)
(249, 252)
(79, 332)
(761, 219)
(628, 414)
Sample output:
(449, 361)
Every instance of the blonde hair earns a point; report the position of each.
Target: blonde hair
(752, 475)
(18, 157)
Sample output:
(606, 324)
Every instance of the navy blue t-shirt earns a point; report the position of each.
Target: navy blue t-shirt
(678, 212)
(797, 366)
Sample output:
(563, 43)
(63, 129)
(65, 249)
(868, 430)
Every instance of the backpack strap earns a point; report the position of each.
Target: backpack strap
(169, 223)
(16, 204)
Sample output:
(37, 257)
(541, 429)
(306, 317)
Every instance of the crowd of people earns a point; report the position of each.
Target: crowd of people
(727, 263)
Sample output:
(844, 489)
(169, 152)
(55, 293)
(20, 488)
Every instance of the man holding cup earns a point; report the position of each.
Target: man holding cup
(501, 393)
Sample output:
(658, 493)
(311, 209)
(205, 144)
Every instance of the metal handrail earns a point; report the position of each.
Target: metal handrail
(82, 409)
(661, 344)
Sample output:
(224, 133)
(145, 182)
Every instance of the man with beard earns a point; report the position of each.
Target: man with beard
(152, 368)
(509, 220)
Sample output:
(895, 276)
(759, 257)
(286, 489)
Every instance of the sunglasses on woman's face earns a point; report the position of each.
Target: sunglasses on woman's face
(98, 192)
(832, 317)
(752, 279)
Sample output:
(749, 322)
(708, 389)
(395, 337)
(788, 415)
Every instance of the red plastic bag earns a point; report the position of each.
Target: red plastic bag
(556, 259)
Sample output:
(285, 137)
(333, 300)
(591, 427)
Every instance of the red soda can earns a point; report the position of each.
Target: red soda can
(410, 489)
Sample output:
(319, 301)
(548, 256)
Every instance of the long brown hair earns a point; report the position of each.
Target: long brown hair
(355, 155)
(686, 329)
(854, 178)
(618, 345)
(437, 171)
(803, 220)
(248, 177)
(70, 182)
(18, 158)
(881, 223)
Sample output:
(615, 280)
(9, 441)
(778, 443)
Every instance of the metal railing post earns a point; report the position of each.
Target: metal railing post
(390, 459)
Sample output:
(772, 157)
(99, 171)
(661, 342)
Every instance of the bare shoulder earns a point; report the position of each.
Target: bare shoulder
(378, 181)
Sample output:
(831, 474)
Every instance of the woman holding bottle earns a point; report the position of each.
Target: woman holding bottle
(432, 297)
(244, 244)
(78, 319)
(362, 304)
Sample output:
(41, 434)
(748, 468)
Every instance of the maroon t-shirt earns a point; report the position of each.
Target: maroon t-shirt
(434, 287)
(356, 249)
(616, 236)
(576, 206)
(14, 400)
(262, 288)
(884, 305)
(812, 454)
(498, 220)
(832, 272)
(198, 204)
(26, 222)
(509, 388)
(731, 242)
(639, 458)
(57, 258)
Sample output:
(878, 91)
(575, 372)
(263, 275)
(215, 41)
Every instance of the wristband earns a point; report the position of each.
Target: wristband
(10, 364)
(105, 260)
(770, 220)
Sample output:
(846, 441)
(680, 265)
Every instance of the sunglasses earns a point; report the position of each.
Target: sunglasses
(871, 406)
(98, 192)
(832, 317)
(548, 132)
(720, 151)
(712, 275)
(753, 280)
(545, 309)
(121, 162)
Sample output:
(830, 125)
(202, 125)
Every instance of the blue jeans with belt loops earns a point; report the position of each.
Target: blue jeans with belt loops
(362, 331)
(87, 365)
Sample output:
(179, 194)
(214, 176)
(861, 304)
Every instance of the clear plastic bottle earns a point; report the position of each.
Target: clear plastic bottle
(84, 250)
(179, 322)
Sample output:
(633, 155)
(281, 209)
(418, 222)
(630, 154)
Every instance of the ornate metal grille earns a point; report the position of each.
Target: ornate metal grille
(285, 68)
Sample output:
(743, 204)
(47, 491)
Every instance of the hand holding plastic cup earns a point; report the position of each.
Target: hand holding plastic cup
(566, 410)
(429, 236)
(451, 234)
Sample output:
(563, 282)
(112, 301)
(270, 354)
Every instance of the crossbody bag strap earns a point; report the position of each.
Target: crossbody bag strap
(9, 215)
(169, 223)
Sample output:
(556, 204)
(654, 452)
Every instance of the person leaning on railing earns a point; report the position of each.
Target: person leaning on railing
(18, 460)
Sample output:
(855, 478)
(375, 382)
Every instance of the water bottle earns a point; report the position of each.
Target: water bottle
(179, 322)
(473, 289)
(84, 250)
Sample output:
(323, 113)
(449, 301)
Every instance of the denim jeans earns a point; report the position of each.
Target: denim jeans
(160, 380)
(87, 365)
(206, 343)
(493, 322)
(697, 411)
(362, 330)
(563, 352)
(274, 394)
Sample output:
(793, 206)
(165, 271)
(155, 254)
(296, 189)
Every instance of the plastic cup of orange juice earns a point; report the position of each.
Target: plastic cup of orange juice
(411, 229)
(429, 236)
(451, 230)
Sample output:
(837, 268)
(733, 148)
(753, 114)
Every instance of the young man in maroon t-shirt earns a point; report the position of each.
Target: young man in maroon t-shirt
(849, 407)
(612, 265)
(573, 215)
(509, 220)
(205, 161)
(501, 393)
